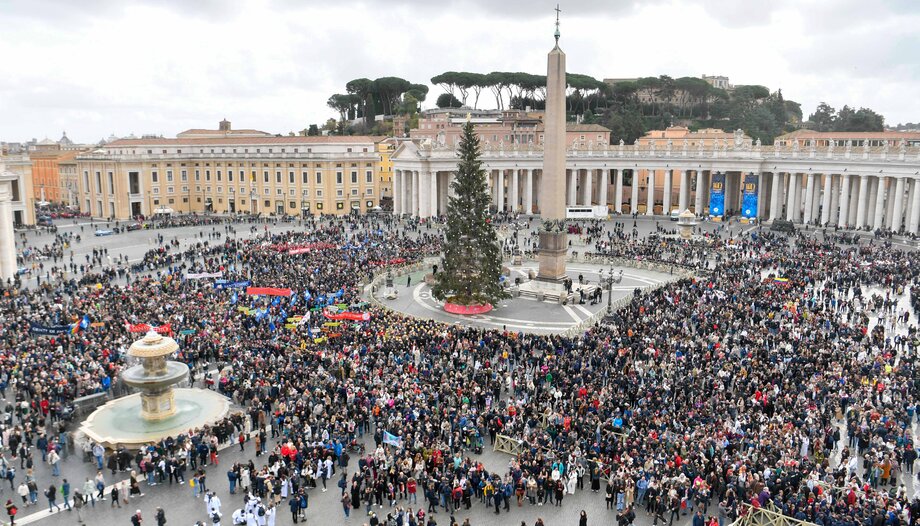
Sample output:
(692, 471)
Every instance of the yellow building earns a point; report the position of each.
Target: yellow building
(218, 171)
(385, 149)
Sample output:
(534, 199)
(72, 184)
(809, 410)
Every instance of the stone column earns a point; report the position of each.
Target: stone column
(514, 190)
(573, 182)
(433, 202)
(443, 191)
(835, 200)
(880, 203)
(650, 195)
(7, 235)
(827, 190)
(862, 201)
(914, 221)
(809, 197)
(761, 195)
(397, 197)
(528, 193)
(500, 196)
(790, 201)
(700, 189)
(873, 193)
(683, 198)
(415, 194)
(602, 186)
(618, 191)
(634, 198)
(799, 194)
(586, 189)
(898, 205)
(775, 197)
(424, 194)
(844, 200)
(666, 198)
(854, 198)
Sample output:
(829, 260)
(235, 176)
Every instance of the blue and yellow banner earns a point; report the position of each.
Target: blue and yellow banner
(717, 196)
(749, 197)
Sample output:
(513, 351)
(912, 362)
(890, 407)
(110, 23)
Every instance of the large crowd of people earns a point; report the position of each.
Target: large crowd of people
(784, 375)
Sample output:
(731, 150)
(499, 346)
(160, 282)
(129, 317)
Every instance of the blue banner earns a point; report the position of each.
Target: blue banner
(227, 284)
(717, 195)
(48, 330)
(749, 197)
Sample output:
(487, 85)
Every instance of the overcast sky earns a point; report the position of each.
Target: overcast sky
(97, 67)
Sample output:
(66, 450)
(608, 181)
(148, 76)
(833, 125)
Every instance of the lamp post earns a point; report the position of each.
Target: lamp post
(609, 290)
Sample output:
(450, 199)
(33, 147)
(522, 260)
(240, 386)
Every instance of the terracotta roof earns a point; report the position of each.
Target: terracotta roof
(200, 131)
(247, 141)
(811, 134)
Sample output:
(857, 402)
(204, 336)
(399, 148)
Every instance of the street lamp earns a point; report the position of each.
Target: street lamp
(609, 290)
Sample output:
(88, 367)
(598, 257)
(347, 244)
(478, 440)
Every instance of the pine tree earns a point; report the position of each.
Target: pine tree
(472, 261)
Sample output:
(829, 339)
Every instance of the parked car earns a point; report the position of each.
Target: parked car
(103, 232)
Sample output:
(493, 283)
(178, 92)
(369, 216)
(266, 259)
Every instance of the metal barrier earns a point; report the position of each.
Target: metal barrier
(767, 515)
(506, 444)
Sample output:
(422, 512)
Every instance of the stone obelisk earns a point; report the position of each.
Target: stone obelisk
(553, 240)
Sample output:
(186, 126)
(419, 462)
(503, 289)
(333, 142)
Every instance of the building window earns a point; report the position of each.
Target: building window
(339, 192)
(154, 177)
(184, 176)
(338, 178)
(278, 177)
(219, 178)
(291, 177)
(319, 178)
(169, 189)
(265, 175)
(292, 204)
(268, 203)
(354, 177)
(230, 176)
(197, 175)
(207, 176)
(369, 176)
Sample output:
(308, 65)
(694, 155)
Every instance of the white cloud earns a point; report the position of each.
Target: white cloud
(101, 66)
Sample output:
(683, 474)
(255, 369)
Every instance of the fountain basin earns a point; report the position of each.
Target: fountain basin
(136, 376)
(120, 422)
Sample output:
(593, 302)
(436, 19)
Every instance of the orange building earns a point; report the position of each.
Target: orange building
(46, 175)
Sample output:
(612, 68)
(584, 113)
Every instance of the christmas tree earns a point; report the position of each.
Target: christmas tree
(472, 263)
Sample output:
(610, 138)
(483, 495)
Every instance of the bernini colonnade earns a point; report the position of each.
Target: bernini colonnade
(852, 187)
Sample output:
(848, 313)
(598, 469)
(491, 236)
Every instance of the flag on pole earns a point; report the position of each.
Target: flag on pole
(392, 440)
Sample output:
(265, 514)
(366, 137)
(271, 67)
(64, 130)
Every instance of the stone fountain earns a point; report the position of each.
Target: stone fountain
(159, 409)
(155, 376)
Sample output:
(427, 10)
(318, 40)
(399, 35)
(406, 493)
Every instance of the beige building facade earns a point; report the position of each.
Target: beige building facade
(222, 173)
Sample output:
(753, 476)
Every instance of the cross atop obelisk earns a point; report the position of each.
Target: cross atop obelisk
(557, 24)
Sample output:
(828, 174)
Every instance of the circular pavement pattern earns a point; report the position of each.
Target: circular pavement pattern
(521, 314)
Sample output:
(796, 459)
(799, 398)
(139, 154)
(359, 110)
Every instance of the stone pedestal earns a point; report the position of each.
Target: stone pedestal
(551, 256)
(158, 405)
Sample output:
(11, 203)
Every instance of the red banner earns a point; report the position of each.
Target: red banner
(351, 316)
(267, 291)
(143, 327)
